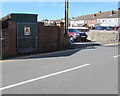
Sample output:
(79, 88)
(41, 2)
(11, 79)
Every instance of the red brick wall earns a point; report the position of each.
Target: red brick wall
(12, 37)
(9, 39)
(5, 43)
(50, 38)
(61, 35)
(41, 37)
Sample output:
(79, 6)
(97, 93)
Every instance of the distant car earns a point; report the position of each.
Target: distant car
(74, 35)
(81, 29)
(102, 28)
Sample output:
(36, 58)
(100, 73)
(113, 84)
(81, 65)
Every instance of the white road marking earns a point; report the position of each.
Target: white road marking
(116, 56)
(42, 77)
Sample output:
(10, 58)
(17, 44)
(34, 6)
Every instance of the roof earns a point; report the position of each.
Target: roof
(21, 17)
(55, 20)
(98, 15)
(89, 16)
(60, 20)
(107, 14)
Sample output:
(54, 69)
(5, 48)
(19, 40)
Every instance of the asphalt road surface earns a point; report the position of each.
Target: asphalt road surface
(92, 70)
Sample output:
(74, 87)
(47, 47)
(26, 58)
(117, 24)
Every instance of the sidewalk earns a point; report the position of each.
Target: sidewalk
(77, 46)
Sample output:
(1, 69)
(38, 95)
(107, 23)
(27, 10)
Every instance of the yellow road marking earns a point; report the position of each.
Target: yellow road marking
(2, 61)
(110, 44)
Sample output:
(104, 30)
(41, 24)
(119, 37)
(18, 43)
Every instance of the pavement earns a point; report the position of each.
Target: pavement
(76, 47)
(88, 70)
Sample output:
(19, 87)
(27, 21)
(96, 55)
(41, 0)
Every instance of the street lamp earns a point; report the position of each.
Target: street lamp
(66, 17)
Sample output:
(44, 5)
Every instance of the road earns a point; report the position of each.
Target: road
(92, 70)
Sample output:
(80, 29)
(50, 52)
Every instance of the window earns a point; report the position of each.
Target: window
(98, 20)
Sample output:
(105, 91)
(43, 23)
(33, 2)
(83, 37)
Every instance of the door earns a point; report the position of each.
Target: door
(27, 37)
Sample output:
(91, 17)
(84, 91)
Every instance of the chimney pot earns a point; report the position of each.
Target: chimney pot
(94, 15)
(111, 13)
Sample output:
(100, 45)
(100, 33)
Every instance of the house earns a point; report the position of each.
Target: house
(53, 22)
(109, 19)
(89, 19)
(77, 23)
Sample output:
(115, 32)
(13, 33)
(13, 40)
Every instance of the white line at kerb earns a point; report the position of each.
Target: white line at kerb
(116, 56)
(42, 77)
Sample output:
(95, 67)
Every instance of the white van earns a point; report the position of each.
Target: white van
(82, 29)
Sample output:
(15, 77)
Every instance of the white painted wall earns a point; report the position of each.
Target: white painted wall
(76, 23)
(108, 22)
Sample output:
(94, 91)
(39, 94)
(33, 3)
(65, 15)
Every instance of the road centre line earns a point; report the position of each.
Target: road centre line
(116, 56)
(42, 77)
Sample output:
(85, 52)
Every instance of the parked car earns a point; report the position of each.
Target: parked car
(102, 28)
(81, 29)
(75, 35)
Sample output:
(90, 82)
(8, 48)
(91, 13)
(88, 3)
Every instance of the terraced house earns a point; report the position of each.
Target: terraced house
(89, 19)
(109, 19)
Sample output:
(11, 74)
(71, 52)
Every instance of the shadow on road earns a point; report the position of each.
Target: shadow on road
(63, 53)
(112, 46)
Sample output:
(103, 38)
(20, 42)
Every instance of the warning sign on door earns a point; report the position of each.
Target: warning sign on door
(26, 30)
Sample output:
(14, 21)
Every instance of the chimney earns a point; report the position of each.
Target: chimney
(118, 9)
(73, 17)
(111, 13)
(94, 15)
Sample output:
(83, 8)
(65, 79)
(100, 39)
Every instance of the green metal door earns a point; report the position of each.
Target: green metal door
(27, 37)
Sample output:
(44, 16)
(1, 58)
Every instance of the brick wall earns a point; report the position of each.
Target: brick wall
(12, 37)
(41, 37)
(50, 38)
(61, 36)
(9, 39)
(5, 43)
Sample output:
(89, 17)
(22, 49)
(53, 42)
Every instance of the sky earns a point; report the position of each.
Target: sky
(55, 10)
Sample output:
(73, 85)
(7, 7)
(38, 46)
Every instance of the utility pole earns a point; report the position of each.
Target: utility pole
(66, 17)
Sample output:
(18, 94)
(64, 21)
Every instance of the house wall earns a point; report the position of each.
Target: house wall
(113, 22)
(81, 22)
(90, 22)
(76, 23)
